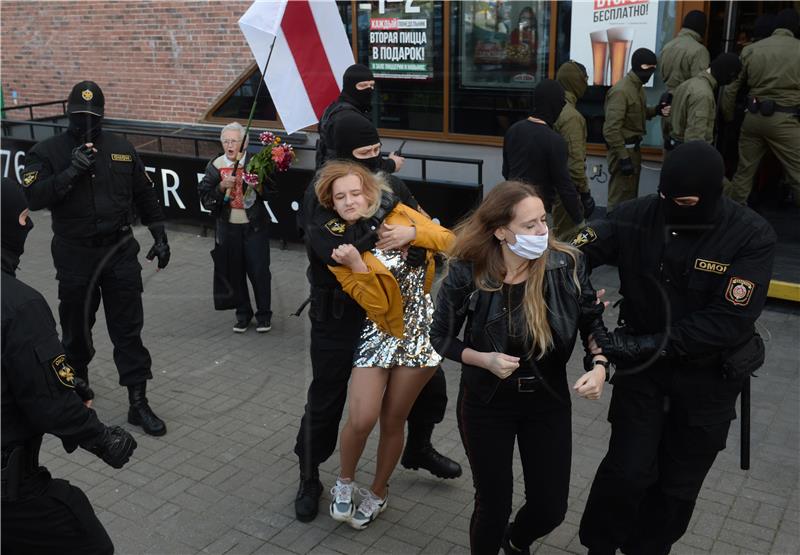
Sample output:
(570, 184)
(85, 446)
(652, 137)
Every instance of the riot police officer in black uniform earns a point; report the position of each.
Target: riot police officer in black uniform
(694, 270)
(91, 180)
(41, 394)
(336, 323)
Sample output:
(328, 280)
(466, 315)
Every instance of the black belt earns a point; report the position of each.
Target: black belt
(101, 240)
(767, 107)
(523, 384)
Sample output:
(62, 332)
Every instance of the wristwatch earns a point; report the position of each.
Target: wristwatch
(589, 363)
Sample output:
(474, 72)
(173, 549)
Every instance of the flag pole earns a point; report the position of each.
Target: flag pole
(250, 118)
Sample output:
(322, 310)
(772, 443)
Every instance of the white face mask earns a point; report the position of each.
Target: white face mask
(529, 247)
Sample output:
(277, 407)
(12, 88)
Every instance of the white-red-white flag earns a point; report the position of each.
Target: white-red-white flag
(311, 53)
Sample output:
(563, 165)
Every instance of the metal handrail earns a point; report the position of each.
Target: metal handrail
(424, 159)
(30, 107)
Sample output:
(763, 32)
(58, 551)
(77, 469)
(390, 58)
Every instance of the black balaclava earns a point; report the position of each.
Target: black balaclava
(12, 203)
(572, 76)
(354, 75)
(725, 68)
(86, 106)
(643, 56)
(696, 21)
(692, 169)
(764, 26)
(354, 131)
(548, 101)
(788, 19)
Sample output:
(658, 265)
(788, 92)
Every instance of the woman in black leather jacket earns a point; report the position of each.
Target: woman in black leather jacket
(524, 297)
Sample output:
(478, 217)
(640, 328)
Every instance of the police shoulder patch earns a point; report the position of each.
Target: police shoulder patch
(585, 236)
(739, 291)
(64, 372)
(710, 266)
(122, 157)
(28, 178)
(336, 226)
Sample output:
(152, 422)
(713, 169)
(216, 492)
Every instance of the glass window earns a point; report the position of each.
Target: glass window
(402, 42)
(500, 50)
(239, 103)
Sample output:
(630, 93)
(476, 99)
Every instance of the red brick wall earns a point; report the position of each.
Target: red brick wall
(166, 60)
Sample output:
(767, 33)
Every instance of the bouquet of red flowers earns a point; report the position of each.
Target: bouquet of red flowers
(274, 157)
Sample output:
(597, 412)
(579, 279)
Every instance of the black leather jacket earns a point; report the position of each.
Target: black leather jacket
(569, 311)
(213, 200)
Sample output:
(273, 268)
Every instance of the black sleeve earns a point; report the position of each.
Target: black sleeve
(505, 161)
(559, 172)
(41, 380)
(388, 165)
(208, 189)
(591, 317)
(599, 241)
(451, 312)
(401, 190)
(736, 304)
(144, 194)
(321, 236)
(43, 188)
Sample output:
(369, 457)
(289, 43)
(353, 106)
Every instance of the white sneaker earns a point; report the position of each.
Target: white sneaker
(342, 506)
(368, 510)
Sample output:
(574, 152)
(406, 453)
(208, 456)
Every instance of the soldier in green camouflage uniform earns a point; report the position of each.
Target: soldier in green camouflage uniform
(626, 115)
(572, 126)
(694, 105)
(771, 69)
(682, 58)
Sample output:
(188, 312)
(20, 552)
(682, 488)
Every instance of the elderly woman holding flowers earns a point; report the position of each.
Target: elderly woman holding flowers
(242, 231)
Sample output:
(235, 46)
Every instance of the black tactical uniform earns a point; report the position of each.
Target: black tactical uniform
(351, 101)
(336, 323)
(693, 280)
(41, 394)
(92, 193)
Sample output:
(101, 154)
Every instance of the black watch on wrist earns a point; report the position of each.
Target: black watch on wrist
(589, 363)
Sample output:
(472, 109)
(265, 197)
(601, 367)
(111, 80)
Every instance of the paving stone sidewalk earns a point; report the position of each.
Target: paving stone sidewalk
(224, 477)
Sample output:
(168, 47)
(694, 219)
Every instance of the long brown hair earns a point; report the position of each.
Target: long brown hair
(476, 243)
(371, 184)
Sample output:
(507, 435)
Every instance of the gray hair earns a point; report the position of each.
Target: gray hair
(235, 126)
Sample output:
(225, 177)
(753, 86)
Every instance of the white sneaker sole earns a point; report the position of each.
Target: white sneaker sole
(363, 525)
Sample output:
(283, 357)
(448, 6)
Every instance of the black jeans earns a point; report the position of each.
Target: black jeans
(58, 519)
(86, 274)
(542, 428)
(333, 342)
(645, 489)
(251, 248)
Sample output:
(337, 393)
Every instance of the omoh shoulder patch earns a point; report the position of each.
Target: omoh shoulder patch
(739, 291)
(585, 236)
(336, 226)
(64, 372)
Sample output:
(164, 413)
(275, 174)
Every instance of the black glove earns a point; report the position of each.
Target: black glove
(663, 102)
(620, 346)
(82, 389)
(626, 166)
(588, 204)
(82, 158)
(115, 446)
(160, 248)
(416, 256)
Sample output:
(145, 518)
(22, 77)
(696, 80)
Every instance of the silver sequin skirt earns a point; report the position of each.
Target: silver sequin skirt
(379, 349)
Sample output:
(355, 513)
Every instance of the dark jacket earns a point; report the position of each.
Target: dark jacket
(213, 199)
(84, 205)
(37, 393)
(459, 300)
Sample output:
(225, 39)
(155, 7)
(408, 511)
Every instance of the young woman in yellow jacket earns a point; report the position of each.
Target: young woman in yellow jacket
(394, 358)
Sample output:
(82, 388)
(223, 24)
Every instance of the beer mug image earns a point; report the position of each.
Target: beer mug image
(619, 49)
(599, 56)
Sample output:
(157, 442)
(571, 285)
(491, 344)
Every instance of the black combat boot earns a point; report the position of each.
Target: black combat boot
(419, 453)
(140, 413)
(306, 504)
(511, 549)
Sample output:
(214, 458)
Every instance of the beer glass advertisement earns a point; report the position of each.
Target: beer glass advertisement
(604, 34)
(504, 43)
(399, 43)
